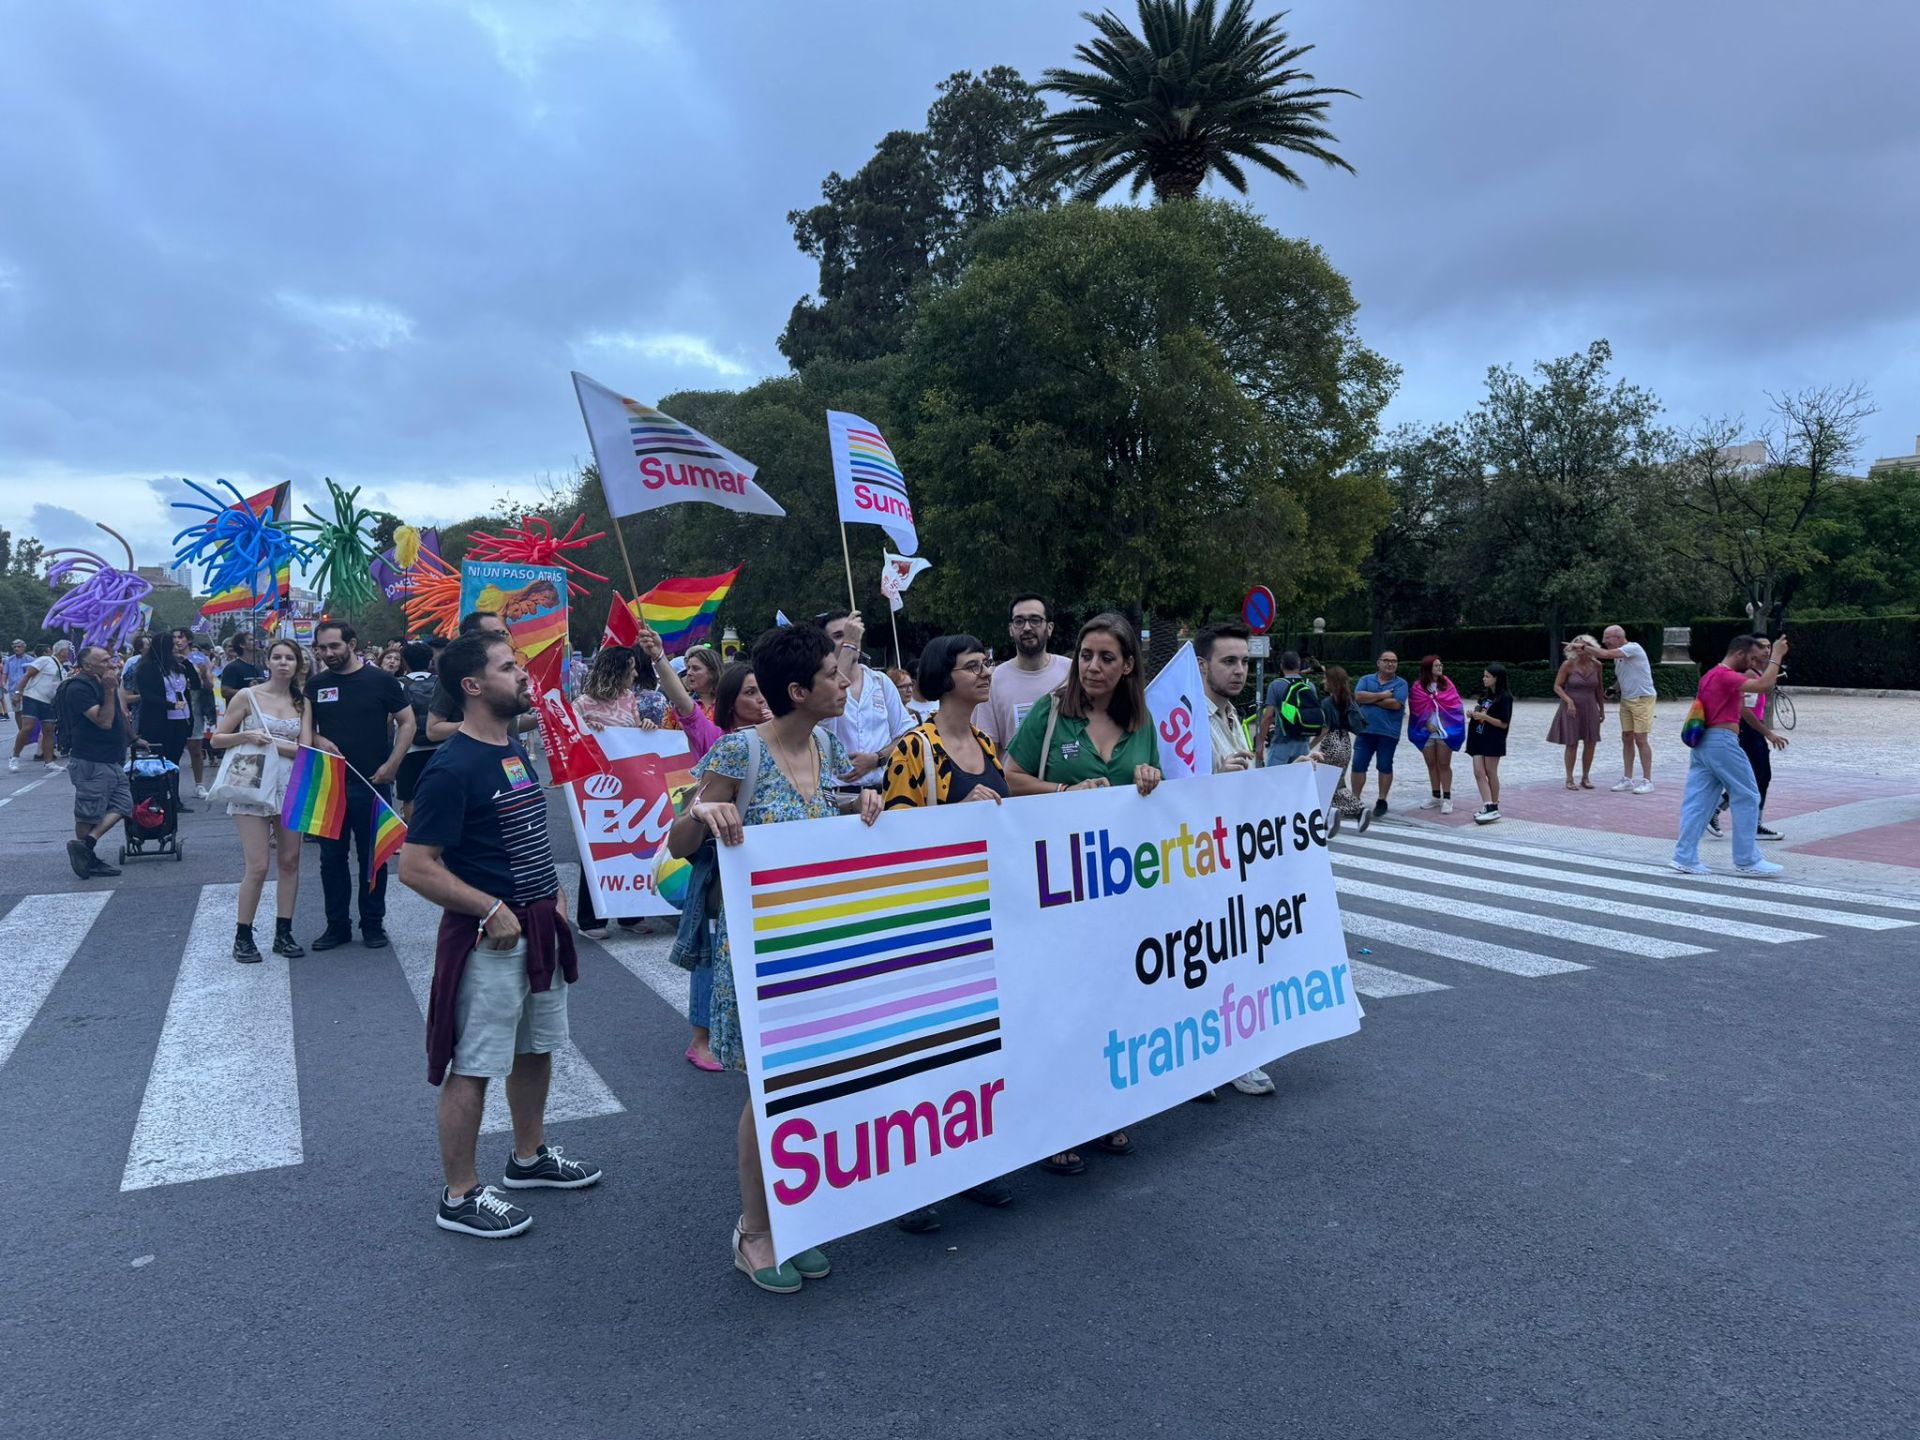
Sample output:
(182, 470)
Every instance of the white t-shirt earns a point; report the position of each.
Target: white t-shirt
(871, 723)
(1013, 692)
(1634, 672)
(43, 679)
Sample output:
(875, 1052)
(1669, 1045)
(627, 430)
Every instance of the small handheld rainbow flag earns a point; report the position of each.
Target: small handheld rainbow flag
(389, 834)
(681, 611)
(316, 802)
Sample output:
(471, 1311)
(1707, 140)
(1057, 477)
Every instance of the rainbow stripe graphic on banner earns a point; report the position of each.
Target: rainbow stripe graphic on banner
(654, 432)
(681, 611)
(872, 969)
(316, 801)
(389, 834)
(870, 459)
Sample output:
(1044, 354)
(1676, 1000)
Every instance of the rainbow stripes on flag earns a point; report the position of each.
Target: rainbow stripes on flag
(870, 459)
(389, 834)
(240, 598)
(872, 969)
(654, 432)
(316, 800)
(681, 611)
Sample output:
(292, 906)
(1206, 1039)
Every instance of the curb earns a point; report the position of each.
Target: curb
(1857, 694)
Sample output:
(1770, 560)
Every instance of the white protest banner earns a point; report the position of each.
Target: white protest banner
(621, 816)
(647, 459)
(1178, 703)
(867, 479)
(897, 574)
(956, 992)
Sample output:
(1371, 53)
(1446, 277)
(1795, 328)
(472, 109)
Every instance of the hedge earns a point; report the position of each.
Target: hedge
(1876, 654)
(1511, 644)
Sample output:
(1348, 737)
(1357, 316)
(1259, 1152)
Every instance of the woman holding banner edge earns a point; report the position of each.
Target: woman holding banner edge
(804, 688)
(1095, 731)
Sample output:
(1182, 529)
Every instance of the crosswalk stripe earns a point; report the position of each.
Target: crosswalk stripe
(1615, 909)
(39, 938)
(577, 1091)
(1675, 894)
(223, 1093)
(1624, 942)
(1705, 883)
(1455, 947)
(645, 958)
(1376, 982)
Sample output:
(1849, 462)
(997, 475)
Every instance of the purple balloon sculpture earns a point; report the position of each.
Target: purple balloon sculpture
(104, 604)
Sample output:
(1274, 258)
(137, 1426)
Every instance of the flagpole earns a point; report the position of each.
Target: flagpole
(632, 584)
(847, 555)
(601, 470)
(893, 619)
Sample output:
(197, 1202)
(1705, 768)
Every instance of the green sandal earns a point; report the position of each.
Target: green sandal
(775, 1279)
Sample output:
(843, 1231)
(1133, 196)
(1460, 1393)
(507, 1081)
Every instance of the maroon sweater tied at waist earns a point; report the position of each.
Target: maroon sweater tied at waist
(549, 948)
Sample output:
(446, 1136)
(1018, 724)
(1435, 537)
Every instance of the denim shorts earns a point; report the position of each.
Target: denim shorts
(1367, 748)
(496, 1016)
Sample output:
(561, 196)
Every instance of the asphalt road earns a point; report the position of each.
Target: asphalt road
(1669, 1192)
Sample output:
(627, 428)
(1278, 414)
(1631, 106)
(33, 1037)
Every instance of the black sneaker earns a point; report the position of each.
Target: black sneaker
(550, 1170)
(80, 857)
(332, 939)
(1379, 808)
(100, 870)
(1767, 832)
(482, 1211)
(375, 939)
(919, 1222)
(993, 1194)
(288, 946)
(1713, 828)
(245, 951)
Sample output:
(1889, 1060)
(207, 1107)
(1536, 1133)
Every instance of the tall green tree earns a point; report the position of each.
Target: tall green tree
(1873, 548)
(1146, 406)
(1559, 493)
(1198, 90)
(1410, 569)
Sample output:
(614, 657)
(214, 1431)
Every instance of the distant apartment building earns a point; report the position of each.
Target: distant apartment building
(1754, 452)
(1892, 463)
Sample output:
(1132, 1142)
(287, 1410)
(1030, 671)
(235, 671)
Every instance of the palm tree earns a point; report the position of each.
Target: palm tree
(1194, 92)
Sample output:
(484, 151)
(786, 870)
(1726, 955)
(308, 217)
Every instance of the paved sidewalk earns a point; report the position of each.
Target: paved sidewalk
(1845, 792)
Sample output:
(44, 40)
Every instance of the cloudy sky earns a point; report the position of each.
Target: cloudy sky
(369, 238)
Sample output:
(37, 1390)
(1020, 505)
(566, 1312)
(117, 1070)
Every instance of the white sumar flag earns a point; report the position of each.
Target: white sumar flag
(897, 573)
(648, 459)
(867, 478)
(1178, 703)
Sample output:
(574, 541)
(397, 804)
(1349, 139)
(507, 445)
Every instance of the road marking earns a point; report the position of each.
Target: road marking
(1455, 947)
(38, 938)
(645, 958)
(223, 1094)
(1623, 942)
(1659, 867)
(27, 788)
(1378, 983)
(1614, 909)
(577, 1092)
(1677, 894)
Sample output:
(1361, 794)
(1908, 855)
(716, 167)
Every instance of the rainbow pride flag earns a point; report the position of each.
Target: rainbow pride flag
(316, 802)
(244, 598)
(389, 834)
(681, 611)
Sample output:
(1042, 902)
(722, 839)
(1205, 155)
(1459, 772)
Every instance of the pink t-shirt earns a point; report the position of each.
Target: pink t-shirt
(1719, 695)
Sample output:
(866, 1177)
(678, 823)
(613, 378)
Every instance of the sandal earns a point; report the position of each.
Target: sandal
(1065, 1163)
(1586, 784)
(1572, 786)
(1116, 1143)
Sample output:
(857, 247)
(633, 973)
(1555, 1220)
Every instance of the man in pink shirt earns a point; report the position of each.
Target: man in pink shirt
(1720, 764)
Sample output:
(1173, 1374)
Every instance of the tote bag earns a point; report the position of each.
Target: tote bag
(249, 775)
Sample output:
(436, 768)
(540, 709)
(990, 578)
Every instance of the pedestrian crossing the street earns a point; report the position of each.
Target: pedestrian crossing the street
(1425, 913)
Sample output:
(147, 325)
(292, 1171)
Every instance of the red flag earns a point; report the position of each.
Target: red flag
(622, 628)
(572, 751)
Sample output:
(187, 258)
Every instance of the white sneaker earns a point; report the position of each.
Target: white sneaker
(1625, 782)
(199, 792)
(13, 762)
(1696, 868)
(1254, 1082)
(1761, 867)
(1645, 787)
(1446, 806)
(1432, 802)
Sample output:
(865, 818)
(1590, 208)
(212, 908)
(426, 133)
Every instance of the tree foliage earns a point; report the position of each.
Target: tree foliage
(1149, 406)
(1196, 91)
(1872, 548)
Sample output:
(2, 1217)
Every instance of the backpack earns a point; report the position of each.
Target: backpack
(1297, 724)
(421, 689)
(67, 716)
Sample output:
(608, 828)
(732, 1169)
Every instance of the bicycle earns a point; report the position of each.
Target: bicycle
(1780, 707)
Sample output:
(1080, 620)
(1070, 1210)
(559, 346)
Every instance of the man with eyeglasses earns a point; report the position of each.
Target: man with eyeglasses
(1028, 678)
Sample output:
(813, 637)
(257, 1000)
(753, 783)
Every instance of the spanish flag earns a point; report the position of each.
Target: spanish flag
(681, 611)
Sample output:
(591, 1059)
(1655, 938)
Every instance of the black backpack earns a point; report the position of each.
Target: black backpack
(68, 717)
(420, 692)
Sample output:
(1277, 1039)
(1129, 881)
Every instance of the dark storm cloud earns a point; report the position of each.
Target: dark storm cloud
(368, 238)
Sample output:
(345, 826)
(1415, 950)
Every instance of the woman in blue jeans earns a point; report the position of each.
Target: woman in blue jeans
(1719, 763)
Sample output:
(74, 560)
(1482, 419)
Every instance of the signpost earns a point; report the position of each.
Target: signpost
(1258, 611)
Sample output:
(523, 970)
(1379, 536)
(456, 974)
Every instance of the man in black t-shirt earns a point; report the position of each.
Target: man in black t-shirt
(478, 848)
(93, 725)
(241, 671)
(359, 712)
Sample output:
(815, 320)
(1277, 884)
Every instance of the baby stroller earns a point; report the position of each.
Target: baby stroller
(154, 827)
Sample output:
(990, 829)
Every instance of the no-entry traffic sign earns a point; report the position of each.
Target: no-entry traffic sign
(1257, 609)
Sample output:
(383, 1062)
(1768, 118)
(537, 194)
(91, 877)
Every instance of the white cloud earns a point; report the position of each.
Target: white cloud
(524, 35)
(349, 324)
(675, 349)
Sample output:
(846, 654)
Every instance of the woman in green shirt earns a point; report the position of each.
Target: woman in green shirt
(1093, 731)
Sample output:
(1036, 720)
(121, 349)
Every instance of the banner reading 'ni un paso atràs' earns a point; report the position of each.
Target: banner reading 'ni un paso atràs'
(954, 993)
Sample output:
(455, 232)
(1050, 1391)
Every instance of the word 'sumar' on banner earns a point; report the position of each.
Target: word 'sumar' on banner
(931, 1004)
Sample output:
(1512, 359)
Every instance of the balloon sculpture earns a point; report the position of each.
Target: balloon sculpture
(104, 604)
(433, 593)
(532, 542)
(345, 547)
(235, 545)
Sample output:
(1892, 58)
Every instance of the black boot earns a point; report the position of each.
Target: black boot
(283, 941)
(244, 950)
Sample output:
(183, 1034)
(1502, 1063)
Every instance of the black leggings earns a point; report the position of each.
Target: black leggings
(1759, 755)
